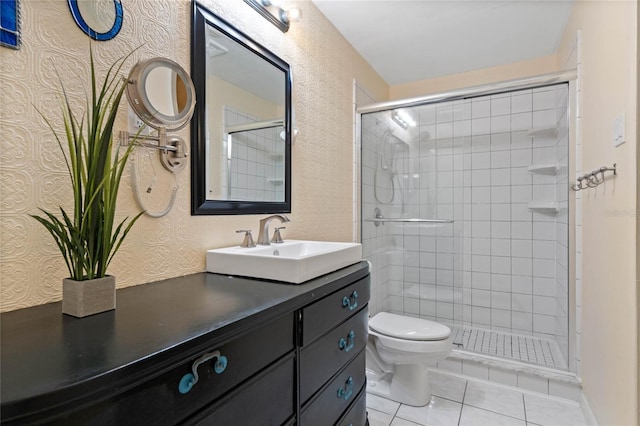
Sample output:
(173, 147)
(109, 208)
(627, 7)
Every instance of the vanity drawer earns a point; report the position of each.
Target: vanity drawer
(324, 357)
(160, 401)
(264, 400)
(337, 396)
(357, 414)
(330, 311)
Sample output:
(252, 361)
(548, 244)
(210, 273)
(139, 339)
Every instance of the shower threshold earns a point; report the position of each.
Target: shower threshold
(528, 349)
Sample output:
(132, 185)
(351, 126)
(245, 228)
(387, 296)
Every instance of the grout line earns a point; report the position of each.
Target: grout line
(496, 412)
(445, 398)
(464, 395)
(396, 412)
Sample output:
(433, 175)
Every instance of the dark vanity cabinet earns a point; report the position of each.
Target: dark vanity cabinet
(333, 339)
(204, 349)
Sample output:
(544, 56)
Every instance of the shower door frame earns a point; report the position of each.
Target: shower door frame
(567, 76)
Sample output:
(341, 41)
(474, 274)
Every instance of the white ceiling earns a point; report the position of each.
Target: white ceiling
(412, 40)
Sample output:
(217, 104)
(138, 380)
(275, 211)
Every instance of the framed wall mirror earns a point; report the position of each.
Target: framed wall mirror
(241, 128)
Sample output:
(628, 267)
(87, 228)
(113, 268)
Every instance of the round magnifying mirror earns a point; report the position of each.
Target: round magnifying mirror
(161, 93)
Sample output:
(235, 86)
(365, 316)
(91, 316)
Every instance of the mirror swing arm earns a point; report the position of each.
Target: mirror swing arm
(172, 148)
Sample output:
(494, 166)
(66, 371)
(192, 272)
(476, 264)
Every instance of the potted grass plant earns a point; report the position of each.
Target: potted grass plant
(89, 237)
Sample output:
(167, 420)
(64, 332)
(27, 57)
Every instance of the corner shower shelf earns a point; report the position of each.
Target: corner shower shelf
(544, 206)
(544, 169)
(548, 132)
(274, 181)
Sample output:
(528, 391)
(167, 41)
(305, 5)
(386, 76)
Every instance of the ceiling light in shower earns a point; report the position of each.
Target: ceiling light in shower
(403, 119)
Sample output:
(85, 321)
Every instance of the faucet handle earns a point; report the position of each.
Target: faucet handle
(277, 238)
(248, 238)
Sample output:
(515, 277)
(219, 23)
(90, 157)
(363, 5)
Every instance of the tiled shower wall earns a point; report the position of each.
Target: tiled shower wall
(257, 160)
(500, 265)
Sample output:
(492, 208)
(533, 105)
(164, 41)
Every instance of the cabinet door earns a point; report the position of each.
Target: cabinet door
(265, 400)
(324, 357)
(336, 397)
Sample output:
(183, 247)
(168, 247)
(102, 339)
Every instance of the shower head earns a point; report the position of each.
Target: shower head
(391, 147)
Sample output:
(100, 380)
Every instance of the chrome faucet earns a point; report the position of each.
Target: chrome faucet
(263, 235)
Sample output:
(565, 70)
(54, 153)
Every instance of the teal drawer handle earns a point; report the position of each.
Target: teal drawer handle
(189, 380)
(220, 365)
(346, 391)
(350, 302)
(347, 344)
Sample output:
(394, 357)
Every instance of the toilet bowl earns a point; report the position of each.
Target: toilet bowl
(399, 351)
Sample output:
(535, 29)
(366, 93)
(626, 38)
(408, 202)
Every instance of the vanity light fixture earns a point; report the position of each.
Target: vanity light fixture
(403, 119)
(275, 13)
(293, 14)
(267, 3)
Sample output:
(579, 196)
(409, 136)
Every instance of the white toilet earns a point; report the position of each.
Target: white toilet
(399, 351)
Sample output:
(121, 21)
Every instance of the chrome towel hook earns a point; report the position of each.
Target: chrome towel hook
(593, 179)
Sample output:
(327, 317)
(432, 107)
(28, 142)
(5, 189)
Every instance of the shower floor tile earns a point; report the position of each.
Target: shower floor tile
(534, 350)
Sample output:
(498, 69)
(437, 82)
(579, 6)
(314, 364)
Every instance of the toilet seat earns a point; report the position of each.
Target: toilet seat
(408, 328)
(412, 346)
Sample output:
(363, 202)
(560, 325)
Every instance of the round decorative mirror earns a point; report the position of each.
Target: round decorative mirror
(99, 19)
(161, 93)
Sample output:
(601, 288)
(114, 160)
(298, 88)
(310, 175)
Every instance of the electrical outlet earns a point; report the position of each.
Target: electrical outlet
(136, 123)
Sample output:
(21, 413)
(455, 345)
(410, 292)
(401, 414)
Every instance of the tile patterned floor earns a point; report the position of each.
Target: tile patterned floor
(530, 349)
(460, 402)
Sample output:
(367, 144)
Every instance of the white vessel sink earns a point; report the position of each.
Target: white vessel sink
(292, 261)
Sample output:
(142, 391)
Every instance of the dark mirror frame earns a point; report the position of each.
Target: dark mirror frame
(201, 17)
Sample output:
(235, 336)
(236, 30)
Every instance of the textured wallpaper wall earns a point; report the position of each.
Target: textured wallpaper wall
(32, 172)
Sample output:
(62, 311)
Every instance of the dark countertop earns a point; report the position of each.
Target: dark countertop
(49, 359)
